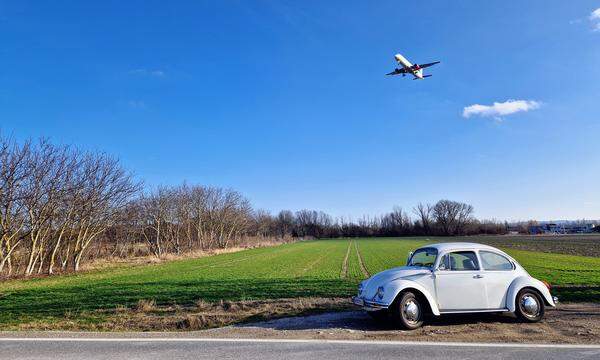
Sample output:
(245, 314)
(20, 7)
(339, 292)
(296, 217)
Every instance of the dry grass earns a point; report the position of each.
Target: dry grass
(147, 316)
(145, 306)
(202, 305)
(108, 262)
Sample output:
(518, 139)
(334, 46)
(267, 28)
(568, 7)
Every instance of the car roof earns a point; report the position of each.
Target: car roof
(449, 246)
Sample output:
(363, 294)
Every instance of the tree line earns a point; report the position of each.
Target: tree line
(444, 218)
(61, 206)
(55, 202)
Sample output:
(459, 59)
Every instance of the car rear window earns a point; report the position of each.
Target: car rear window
(493, 261)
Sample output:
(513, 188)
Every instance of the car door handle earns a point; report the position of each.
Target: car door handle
(477, 276)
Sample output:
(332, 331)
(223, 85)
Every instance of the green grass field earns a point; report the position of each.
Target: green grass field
(324, 268)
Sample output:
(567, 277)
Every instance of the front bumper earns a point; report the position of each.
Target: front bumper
(369, 305)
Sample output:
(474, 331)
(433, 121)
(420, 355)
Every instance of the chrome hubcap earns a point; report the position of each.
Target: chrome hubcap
(411, 311)
(530, 305)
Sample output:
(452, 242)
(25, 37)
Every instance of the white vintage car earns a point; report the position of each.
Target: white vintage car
(452, 278)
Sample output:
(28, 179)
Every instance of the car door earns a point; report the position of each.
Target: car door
(498, 272)
(459, 282)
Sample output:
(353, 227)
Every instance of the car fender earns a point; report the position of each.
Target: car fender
(396, 286)
(523, 282)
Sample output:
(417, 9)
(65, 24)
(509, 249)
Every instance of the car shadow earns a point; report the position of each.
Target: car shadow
(360, 321)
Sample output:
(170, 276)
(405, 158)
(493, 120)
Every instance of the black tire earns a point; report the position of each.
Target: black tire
(408, 311)
(529, 306)
(379, 315)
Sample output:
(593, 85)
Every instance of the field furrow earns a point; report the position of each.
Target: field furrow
(361, 263)
(344, 271)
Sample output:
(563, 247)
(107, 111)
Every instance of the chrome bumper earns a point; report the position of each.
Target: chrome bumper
(368, 305)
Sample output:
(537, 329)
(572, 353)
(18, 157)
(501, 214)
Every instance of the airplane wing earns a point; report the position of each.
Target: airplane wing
(398, 71)
(422, 66)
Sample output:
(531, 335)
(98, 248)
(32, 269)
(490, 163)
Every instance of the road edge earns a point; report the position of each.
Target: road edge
(74, 338)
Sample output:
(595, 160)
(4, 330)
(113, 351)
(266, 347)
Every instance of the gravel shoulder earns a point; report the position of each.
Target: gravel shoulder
(574, 323)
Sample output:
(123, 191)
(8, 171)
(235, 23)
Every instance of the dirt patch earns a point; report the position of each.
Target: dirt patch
(570, 323)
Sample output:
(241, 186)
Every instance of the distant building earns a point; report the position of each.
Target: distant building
(562, 228)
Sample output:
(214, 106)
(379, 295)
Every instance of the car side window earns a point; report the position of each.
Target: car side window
(459, 261)
(495, 262)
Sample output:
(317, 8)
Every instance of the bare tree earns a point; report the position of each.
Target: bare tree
(285, 223)
(452, 216)
(108, 189)
(13, 173)
(395, 223)
(424, 213)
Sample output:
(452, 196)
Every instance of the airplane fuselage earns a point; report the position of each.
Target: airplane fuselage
(415, 70)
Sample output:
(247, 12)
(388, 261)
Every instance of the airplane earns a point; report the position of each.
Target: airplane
(415, 70)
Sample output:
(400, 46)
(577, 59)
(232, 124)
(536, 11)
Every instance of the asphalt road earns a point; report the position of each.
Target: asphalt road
(194, 348)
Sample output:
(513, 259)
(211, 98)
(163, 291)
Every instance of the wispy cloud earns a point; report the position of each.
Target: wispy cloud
(136, 104)
(499, 109)
(595, 19)
(148, 72)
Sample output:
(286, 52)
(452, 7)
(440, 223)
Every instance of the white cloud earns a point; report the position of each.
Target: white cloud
(146, 72)
(595, 19)
(499, 109)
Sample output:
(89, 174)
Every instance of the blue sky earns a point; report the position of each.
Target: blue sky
(286, 101)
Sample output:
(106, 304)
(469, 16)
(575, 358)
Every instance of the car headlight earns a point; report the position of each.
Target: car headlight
(380, 291)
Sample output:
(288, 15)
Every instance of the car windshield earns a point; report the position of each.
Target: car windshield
(424, 257)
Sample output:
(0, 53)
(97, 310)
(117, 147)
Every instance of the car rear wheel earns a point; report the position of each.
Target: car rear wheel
(529, 306)
(408, 311)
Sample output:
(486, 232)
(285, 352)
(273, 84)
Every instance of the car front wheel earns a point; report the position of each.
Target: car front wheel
(408, 311)
(529, 306)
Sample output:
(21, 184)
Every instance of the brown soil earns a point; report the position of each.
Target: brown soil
(582, 244)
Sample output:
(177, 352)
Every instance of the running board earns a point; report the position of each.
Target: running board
(443, 312)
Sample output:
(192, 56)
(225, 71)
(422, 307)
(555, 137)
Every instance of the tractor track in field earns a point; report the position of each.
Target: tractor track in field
(363, 268)
(344, 272)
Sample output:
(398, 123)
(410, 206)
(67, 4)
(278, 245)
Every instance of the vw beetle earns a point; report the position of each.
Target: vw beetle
(451, 278)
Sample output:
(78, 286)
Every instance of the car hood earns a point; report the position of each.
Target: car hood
(399, 272)
(384, 277)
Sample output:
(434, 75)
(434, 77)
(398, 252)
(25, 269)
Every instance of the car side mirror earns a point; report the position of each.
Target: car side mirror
(442, 267)
(410, 254)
